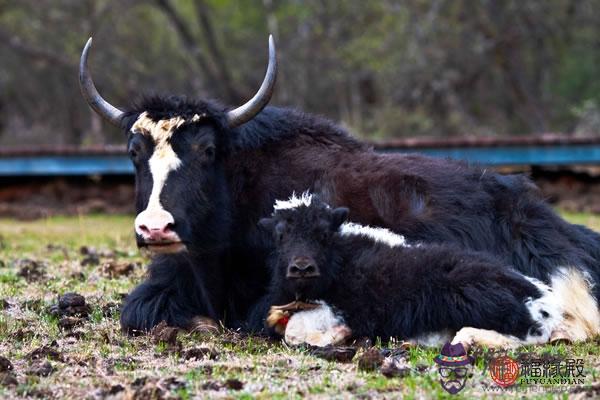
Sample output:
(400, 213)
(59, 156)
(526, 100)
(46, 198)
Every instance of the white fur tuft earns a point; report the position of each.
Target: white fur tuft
(581, 317)
(317, 327)
(546, 311)
(294, 201)
(381, 235)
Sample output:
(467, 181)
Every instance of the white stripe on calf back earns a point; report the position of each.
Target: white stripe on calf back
(381, 235)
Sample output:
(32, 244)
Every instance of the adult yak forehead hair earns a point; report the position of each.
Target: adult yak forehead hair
(159, 108)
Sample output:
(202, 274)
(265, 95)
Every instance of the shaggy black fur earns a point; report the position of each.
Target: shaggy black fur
(230, 178)
(384, 291)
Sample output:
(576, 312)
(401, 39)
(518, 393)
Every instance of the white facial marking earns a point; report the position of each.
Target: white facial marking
(164, 159)
(294, 201)
(381, 235)
(317, 327)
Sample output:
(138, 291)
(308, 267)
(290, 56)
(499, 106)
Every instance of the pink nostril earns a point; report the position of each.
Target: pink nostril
(144, 228)
(168, 228)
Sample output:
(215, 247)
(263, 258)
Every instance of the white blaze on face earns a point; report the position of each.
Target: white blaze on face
(161, 163)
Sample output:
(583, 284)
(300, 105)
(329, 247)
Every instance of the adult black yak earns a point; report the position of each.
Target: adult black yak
(206, 174)
(370, 282)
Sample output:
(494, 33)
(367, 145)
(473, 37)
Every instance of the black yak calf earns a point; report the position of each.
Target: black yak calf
(371, 282)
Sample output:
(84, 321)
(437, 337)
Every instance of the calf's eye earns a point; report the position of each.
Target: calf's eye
(209, 152)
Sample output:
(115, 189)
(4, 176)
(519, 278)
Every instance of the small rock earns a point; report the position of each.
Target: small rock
(151, 388)
(8, 379)
(109, 310)
(70, 304)
(71, 300)
(370, 360)
(68, 323)
(114, 389)
(200, 353)
(234, 384)
(113, 269)
(31, 270)
(41, 369)
(45, 352)
(211, 385)
(78, 275)
(139, 382)
(334, 353)
(171, 383)
(5, 364)
(90, 259)
(22, 334)
(164, 333)
(85, 250)
(396, 366)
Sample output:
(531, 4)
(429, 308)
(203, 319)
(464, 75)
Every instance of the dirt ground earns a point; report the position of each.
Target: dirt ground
(62, 280)
(30, 198)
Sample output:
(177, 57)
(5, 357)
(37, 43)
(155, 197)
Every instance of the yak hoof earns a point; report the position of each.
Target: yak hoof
(470, 337)
(201, 324)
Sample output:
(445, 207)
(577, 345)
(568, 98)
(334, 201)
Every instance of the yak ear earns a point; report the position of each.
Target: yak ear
(266, 224)
(338, 217)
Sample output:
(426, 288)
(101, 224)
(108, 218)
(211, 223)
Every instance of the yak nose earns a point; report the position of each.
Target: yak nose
(303, 267)
(156, 226)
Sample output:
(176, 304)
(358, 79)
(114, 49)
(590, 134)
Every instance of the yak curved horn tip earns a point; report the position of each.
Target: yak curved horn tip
(247, 111)
(90, 93)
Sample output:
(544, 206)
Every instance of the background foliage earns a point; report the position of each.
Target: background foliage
(384, 68)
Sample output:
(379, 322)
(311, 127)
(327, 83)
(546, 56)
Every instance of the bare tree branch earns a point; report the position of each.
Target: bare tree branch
(208, 32)
(188, 40)
(35, 52)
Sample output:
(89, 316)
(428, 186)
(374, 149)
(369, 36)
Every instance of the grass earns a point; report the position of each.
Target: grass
(96, 359)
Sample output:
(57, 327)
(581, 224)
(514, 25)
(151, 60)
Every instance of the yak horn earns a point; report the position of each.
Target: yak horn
(90, 93)
(255, 105)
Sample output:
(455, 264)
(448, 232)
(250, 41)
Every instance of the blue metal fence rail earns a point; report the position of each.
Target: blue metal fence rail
(112, 160)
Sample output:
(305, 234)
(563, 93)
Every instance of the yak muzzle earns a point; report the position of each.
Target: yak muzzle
(303, 267)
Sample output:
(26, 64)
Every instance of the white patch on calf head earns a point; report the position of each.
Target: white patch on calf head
(381, 235)
(294, 201)
(317, 327)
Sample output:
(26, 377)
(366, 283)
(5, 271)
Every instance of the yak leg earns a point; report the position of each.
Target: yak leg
(483, 337)
(175, 293)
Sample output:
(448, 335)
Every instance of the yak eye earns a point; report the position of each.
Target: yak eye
(210, 152)
(279, 230)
